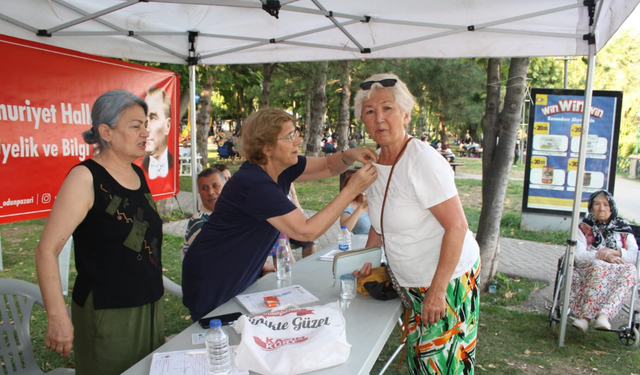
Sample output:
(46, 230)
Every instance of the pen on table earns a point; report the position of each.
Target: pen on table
(196, 352)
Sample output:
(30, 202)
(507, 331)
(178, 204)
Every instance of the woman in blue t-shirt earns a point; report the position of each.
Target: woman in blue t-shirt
(228, 254)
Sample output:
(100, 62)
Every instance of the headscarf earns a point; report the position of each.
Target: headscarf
(603, 234)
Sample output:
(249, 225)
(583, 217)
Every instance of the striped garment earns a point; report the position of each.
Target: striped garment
(449, 346)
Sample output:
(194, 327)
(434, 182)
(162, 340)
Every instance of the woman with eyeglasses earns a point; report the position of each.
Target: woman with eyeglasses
(416, 212)
(228, 254)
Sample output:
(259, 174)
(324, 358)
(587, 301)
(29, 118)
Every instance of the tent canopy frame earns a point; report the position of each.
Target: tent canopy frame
(586, 38)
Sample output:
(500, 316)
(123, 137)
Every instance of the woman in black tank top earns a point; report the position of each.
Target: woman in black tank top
(106, 205)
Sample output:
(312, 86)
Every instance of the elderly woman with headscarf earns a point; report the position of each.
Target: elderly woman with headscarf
(604, 270)
(415, 210)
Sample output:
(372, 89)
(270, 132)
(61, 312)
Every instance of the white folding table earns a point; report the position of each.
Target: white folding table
(369, 322)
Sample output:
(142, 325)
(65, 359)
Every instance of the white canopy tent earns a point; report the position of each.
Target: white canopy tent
(248, 31)
(238, 32)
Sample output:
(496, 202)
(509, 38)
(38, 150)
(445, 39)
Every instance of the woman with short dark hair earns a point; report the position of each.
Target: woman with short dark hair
(117, 310)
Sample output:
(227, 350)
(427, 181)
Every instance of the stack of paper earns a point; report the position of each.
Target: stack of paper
(294, 295)
(187, 362)
(329, 256)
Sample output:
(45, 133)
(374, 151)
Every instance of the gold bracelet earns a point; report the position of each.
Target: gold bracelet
(344, 161)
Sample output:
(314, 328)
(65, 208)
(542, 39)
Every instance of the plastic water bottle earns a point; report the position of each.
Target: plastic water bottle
(218, 355)
(344, 240)
(284, 260)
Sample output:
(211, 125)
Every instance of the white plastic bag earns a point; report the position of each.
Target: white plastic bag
(295, 341)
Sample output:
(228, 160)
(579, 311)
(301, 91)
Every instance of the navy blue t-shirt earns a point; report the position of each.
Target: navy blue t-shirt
(228, 254)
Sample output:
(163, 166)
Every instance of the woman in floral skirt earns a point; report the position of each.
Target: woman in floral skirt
(605, 262)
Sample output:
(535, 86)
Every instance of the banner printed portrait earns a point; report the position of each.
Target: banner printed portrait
(45, 105)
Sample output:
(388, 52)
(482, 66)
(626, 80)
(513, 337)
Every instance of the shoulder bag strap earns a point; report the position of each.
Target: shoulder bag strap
(386, 190)
(406, 301)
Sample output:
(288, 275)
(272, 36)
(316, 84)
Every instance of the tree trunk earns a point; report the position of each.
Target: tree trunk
(267, 69)
(442, 126)
(498, 157)
(421, 127)
(203, 118)
(307, 117)
(241, 109)
(318, 108)
(344, 112)
(184, 102)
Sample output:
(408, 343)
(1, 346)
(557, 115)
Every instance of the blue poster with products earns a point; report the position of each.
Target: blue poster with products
(553, 146)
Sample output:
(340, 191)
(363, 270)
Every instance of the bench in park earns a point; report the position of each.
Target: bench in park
(455, 164)
(472, 152)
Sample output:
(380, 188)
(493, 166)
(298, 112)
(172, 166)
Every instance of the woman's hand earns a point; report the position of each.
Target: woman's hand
(268, 267)
(608, 255)
(364, 155)
(364, 177)
(434, 306)
(616, 260)
(362, 201)
(59, 336)
(364, 272)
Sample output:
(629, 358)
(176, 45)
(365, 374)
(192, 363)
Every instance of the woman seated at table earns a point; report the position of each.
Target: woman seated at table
(605, 258)
(228, 254)
(428, 244)
(447, 153)
(356, 215)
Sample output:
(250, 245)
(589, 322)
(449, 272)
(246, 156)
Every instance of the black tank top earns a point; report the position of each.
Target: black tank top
(118, 245)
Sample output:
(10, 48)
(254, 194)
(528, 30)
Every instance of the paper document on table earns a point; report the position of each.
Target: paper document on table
(329, 256)
(295, 295)
(187, 362)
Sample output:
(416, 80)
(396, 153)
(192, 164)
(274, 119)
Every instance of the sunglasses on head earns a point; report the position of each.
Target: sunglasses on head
(387, 82)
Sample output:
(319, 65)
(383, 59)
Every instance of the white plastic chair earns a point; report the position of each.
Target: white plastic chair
(16, 351)
(171, 287)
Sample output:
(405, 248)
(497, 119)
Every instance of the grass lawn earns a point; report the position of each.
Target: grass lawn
(511, 341)
(474, 166)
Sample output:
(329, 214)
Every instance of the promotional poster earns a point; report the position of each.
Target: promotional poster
(553, 146)
(45, 105)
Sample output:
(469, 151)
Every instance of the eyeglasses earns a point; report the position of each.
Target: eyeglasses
(291, 137)
(388, 82)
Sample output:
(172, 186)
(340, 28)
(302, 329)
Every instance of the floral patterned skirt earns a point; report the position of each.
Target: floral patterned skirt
(601, 288)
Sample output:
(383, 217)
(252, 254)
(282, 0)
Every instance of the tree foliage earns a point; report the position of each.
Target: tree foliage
(617, 69)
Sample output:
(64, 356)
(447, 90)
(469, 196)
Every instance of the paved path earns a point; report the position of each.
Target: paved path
(626, 194)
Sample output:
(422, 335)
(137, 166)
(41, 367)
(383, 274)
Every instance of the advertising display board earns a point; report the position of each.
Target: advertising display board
(45, 105)
(553, 144)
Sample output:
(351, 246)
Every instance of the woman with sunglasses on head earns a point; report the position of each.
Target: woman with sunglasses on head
(416, 213)
(228, 254)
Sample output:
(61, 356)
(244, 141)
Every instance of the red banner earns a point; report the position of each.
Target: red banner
(45, 105)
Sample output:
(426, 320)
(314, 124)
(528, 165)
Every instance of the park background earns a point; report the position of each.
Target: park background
(450, 94)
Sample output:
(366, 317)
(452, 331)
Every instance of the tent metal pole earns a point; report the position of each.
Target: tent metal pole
(577, 200)
(194, 143)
